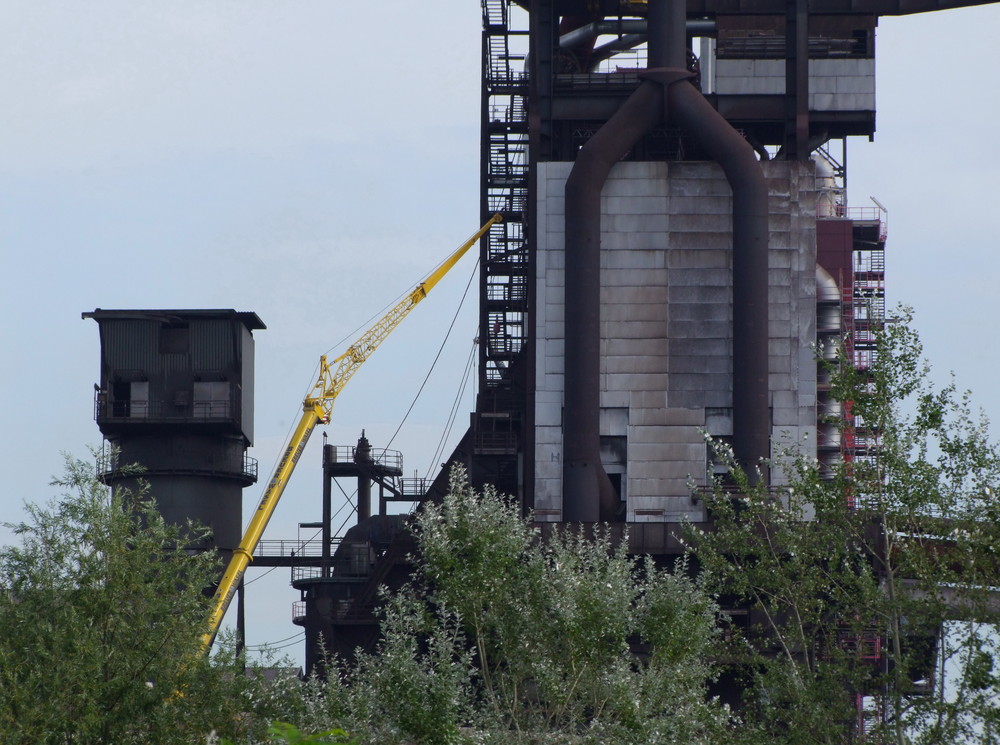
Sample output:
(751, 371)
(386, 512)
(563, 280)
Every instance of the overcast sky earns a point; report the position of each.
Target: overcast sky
(310, 161)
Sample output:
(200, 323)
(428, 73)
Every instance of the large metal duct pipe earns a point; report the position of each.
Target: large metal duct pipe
(688, 109)
(625, 27)
(587, 492)
(667, 20)
(751, 412)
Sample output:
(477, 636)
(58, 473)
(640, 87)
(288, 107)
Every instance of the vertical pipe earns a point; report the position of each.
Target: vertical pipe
(667, 25)
(751, 412)
(687, 108)
(328, 457)
(796, 145)
(364, 498)
(362, 456)
(587, 492)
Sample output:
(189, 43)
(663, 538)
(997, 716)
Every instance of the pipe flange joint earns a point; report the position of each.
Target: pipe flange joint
(666, 76)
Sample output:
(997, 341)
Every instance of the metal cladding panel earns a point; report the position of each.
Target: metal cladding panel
(666, 320)
(834, 239)
(176, 364)
(246, 389)
(214, 345)
(203, 340)
(184, 357)
(130, 345)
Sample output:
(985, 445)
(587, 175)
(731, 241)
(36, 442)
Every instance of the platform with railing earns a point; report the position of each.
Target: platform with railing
(135, 411)
(383, 458)
(108, 467)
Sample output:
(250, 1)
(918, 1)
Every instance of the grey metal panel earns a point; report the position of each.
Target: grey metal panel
(214, 345)
(131, 345)
(245, 392)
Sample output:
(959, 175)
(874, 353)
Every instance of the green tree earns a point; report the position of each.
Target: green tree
(507, 638)
(100, 613)
(872, 595)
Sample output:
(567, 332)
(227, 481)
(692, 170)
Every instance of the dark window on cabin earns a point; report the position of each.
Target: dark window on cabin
(130, 399)
(174, 339)
(121, 398)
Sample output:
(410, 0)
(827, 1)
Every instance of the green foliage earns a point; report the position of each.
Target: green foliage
(573, 640)
(289, 734)
(416, 686)
(880, 580)
(899, 549)
(283, 732)
(101, 610)
(504, 638)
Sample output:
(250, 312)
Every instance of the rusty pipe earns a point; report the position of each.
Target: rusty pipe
(689, 110)
(751, 412)
(587, 492)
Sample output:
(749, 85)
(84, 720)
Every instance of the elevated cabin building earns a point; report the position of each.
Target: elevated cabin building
(175, 397)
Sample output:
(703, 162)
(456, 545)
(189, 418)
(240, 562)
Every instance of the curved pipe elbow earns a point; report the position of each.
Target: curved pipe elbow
(587, 490)
(751, 411)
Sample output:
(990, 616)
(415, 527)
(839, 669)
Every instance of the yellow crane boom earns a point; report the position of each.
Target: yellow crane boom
(316, 409)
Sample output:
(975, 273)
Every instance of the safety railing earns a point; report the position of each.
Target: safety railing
(249, 467)
(107, 408)
(108, 465)
(311, 548)
(356, 563)
(377, 456)
(414, 487)
(343, 610)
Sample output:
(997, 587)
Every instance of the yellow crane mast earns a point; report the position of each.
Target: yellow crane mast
(317, 409)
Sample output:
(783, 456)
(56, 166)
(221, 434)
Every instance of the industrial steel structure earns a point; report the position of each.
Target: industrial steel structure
(176, 396)
(675, 241)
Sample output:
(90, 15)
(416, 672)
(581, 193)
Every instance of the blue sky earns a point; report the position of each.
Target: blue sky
(310, 161)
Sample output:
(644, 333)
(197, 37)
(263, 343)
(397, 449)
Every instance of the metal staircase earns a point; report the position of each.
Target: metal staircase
(505, 266)
(864, 316)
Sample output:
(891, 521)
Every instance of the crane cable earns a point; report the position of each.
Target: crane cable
(438, 355)
(455, 406)
(267, 647)
(247, 583)
(391, 304)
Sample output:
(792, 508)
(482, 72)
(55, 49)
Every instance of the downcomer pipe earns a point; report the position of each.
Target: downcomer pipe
(689, 110)
(587, 492)
(751, 413)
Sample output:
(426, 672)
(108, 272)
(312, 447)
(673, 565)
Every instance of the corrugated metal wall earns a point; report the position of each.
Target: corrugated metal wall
(132, 345)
